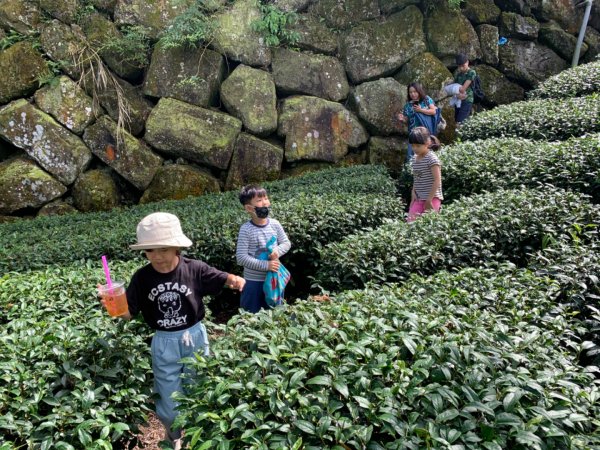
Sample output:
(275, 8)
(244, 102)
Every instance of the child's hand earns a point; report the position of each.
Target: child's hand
(428, 205)
(274, 254)
(273, 265)
(235, 282)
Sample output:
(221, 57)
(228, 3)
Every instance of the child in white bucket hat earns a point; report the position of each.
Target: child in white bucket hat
(168, 292)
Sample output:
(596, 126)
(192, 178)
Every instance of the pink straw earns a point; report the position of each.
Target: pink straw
(106, 271)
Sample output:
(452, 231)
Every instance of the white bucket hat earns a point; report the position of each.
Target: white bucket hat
(158, 230)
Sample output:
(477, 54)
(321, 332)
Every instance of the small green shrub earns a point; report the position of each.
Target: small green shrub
(466, 360)
(72, 377)
(500, 226)
(503, 163)
(574, 82)
(192, 28)
(212, 222)
(133, 46)
(546, 119)
(274, 25)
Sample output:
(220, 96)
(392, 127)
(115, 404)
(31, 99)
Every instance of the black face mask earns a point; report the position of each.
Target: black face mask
(262, 212)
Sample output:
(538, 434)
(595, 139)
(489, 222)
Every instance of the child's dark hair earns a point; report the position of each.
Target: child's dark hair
(249, 192)
(419, 135)
(435, 144)
(417, 87)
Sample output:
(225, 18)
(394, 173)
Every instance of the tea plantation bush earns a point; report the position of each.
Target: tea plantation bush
(504, 163)
(473, 167)
(498, 226)
(467, 360)
(574, 82)
(70, 375)
(212, 222)
(547, 119)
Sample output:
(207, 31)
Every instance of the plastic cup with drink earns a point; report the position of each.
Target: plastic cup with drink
(113, 293)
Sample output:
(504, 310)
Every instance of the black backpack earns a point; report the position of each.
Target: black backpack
(478, 94)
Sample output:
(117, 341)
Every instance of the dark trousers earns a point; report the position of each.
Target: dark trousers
(253, 297)
(463, 112)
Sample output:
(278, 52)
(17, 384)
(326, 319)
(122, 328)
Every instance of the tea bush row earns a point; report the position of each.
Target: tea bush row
(71, 377)
(546, 119)
(211, 222)
(503, 163)
(574, 82)
(476, 359)
(498, 226)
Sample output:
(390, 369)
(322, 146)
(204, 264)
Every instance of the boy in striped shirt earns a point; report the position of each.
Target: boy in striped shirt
(252, 241)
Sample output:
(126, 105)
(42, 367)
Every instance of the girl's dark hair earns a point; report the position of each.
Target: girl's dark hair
(419, 88)
(435, 144)
(249, 192)
(419, 135)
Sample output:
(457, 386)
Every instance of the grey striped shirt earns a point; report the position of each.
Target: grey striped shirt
(423, 178)
(252, 241)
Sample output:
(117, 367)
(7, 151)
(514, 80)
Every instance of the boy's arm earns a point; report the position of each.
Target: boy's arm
(283, 242)
(242, 256)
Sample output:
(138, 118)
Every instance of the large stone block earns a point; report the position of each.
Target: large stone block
(560, 41)
(343, 15)
(488, 40)
(392, 6)
(388, 151)
(498, 89)
(450, 33)
(378, 103)
(253, 161)
(190, 75)
(197, 134)
(178, 181)
(249, 94)
(153, 14)
(481, 11)
(592, 39)
(102, 33)
(63, 46)
(563, 11)
(64, 10)
(516, 26)
(20, 66)
(122, 100)
(25, 185)
(314, 35)
(57, 150)
(23, 16)
(317, 129)
(129, 157)
(529, 62)
(426, 69)
(291, 5)
(236, 37)
(64, 100)
(374, 49)
(305, 73)
(95, 190)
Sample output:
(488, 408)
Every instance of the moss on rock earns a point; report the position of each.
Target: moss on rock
(20, 66)
(253, 161)
(176, 182)
(95, 190)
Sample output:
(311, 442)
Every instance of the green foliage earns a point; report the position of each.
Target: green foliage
(574, 82)
(274, 25)
(133, 46)
(194, 27)
(11, 38)
(498, 226)
(314, 210)
(503, 163)
(465, 360)
(71, 375)
(547, 119)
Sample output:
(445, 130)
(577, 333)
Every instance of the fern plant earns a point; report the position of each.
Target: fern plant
(274, 25)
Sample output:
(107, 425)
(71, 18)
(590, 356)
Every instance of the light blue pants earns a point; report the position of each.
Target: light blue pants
(168, 348)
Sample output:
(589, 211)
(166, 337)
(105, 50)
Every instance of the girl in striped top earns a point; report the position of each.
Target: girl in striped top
(427, 175)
